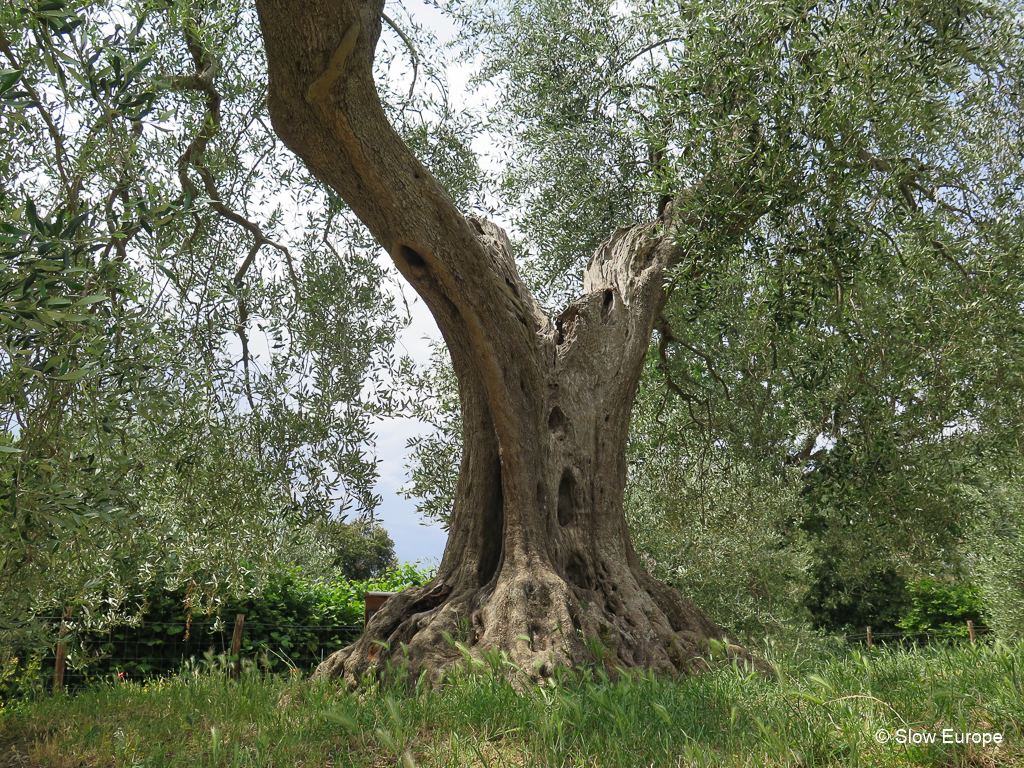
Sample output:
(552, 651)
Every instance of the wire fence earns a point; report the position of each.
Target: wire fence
(966, 631)
(85, 656)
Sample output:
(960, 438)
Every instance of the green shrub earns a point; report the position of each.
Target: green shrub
(876, 599)
(945, 608)
(292, 624)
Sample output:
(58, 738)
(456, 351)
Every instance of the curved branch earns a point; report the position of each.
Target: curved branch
(240, 329)
(646, 49)
(412, 51)
(325, 107)
(203, 80)
(55, 134)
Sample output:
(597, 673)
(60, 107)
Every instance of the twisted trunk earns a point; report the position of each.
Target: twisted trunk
(539, 562)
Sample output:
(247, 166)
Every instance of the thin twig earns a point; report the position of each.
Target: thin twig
(667, 337)
(412, 50)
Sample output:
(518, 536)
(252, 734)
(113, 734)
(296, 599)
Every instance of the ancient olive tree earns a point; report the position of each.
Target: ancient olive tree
(780, 134)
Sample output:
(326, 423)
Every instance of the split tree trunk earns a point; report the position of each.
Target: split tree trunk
(539, 562)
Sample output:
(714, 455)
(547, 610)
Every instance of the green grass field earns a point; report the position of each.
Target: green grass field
(828, 705)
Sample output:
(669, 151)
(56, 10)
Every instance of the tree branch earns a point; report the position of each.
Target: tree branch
(412, 51)
(667, 337)
(203, 80)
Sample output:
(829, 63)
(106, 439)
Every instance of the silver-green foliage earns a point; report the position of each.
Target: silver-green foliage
(433, 463)
(189, 369)
(995, 553)
(723, 530)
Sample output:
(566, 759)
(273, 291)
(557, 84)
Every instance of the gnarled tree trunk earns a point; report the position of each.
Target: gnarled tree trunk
(539, 562)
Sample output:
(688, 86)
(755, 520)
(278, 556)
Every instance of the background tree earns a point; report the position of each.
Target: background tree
(433, 461)
(994, 554)
(336, 550)
(189, 372)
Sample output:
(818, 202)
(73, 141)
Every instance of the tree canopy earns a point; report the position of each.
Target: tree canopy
(862, 339)
(189, 367)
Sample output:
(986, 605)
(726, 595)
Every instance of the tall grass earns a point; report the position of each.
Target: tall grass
(824, 707)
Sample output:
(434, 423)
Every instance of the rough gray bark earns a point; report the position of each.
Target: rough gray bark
(539, 562)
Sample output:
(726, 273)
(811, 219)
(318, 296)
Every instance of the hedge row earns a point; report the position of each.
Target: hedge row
(292, 625)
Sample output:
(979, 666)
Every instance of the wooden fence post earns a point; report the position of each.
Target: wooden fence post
(62, 653)
(236, 646)
(870, 644)
(970, 629)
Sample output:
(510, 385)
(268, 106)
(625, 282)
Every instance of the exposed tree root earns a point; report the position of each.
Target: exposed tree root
(539, 623)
